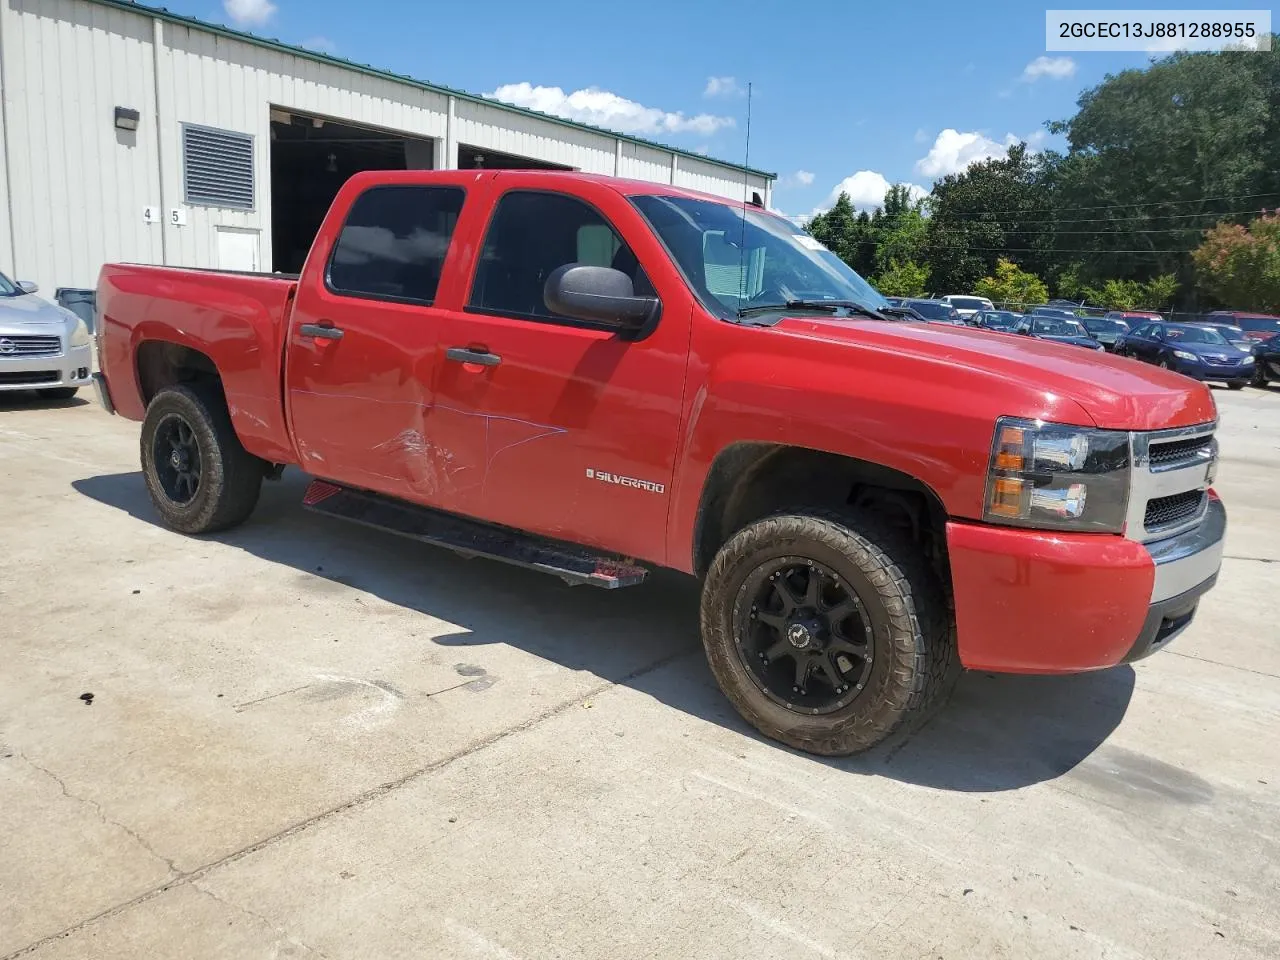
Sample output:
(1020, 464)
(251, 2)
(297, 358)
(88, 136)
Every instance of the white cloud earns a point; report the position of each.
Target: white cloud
(249, 13)
(602, 108)
(722, 87)
(866, 190)
(953, 151)
(320, 44)
(804, 178)
(922, 135)
(1055, 68)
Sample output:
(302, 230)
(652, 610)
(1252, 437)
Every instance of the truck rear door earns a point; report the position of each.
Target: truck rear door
(554, 425)
(361, 350)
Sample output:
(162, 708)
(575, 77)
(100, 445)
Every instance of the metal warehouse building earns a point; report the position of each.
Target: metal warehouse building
(131, 133)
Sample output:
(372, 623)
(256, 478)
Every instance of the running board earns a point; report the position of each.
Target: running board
(471, 538)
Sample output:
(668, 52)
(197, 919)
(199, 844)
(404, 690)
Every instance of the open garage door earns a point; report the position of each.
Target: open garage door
(311, 158)
(480, 158)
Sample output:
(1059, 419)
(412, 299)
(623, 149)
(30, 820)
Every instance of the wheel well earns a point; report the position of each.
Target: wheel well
(749, 481)
(162, 364)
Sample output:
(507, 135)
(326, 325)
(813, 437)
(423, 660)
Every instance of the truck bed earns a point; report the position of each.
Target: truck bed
(237, 320)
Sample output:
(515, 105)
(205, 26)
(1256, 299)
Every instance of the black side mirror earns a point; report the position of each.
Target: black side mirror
(600, 295)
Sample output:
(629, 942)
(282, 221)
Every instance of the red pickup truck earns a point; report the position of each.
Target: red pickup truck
(588, 375)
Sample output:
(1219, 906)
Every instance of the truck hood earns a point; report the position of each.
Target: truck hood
(1117, 392)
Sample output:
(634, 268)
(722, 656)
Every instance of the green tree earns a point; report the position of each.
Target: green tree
(1009, 284)
(998, 208)
(905, 279)
(1159, 291)
(1241, 266)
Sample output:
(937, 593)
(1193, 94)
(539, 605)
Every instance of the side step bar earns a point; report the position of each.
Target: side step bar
(471, 538)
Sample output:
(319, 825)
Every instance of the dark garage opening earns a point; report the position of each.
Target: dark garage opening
(480, 158)
(311, 158)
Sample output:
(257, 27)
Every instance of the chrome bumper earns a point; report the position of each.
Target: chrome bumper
(1186, 568)
(67, 369)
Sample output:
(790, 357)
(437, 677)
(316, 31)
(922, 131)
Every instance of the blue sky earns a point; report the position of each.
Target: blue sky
(848, 94)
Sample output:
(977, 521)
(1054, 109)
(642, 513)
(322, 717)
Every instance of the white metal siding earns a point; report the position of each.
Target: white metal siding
(718, 180)
(480, 125)
(639, 162)
(78, 184)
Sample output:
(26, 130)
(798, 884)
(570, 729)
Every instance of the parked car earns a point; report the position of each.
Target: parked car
(895, 301)
(1060, 313)
(1266, 361)
(42, 346)
(934, 311)
(966, 306)
(1256, 326)
(1057, 329)
(1106, 329)
(562, 371)
(1235, 336)
(1002, 320)
(1189, 348)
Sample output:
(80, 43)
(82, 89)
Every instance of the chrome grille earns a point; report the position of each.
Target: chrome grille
(1176, 452)
(1169, 511)
(1170, 480)
(23, 345)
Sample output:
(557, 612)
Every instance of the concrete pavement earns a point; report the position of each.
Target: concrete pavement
(309, 738)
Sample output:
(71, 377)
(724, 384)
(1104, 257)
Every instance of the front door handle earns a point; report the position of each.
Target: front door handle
(324, 331)
(468, 355)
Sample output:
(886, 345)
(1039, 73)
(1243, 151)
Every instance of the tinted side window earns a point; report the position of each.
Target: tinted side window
(393, 245)
(532, 234)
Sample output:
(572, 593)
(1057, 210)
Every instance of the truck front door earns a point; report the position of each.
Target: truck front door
(361, 349)
(553, 425)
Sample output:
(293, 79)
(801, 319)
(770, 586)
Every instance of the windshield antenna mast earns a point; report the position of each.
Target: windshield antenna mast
(746, 198)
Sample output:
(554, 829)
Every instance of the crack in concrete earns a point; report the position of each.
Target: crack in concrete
(360, 800)
(102, 815)
(254, 915)
(1229, 666)
(1232, 556)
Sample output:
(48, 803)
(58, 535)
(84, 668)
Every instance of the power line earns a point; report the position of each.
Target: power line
(1124, 206)
(1140, 216)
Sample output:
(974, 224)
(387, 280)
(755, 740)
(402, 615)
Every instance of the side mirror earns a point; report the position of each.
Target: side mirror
(27, 286)
(600, 295)
(1025, 332)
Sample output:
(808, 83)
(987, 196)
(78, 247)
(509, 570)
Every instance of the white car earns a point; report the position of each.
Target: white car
(42, 346)
(967, 307)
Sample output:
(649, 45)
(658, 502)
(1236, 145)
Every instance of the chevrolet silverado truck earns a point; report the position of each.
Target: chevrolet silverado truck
(592, 377)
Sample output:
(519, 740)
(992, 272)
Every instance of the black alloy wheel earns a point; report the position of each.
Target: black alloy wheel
(807, 640)
(177, 459)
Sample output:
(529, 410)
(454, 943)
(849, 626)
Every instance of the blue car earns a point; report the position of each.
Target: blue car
(1200, 352)
(1057, 329)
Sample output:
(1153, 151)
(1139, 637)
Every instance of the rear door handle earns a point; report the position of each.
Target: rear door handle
(467, 355)
(324, 331)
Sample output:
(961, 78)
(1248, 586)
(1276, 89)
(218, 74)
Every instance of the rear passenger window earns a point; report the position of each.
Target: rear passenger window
(393, 245)
(530, 235)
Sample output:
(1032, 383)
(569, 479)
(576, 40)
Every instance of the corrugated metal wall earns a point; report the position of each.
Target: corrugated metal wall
(78, 186)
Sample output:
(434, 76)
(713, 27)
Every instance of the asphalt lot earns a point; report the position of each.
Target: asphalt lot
(307, 738)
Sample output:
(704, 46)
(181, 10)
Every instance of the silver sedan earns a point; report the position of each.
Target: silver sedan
(42, 346)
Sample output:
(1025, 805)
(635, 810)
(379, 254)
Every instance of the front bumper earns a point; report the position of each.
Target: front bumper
(1202, 370)
(70, 368)
(1030, 601)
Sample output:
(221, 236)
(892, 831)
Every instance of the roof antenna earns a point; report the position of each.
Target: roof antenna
(746, 199)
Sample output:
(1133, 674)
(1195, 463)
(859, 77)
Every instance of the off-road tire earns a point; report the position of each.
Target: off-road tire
(58, 393)
(1259, 377)
(915, 662)
(231, 477)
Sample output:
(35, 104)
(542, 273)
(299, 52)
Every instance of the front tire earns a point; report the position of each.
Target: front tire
(1236, 384)
(1259, 377)
(200, 478)
(57, 393)
(827, 633)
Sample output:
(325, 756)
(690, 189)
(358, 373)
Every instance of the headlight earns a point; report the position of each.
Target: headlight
(1058, 477)
(1248, 358)
(79, 334)
(1183, 355)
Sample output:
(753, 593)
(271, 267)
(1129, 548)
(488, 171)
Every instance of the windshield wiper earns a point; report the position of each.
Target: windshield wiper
(830, 306)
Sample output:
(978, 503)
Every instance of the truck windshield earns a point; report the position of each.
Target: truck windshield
(737, 259)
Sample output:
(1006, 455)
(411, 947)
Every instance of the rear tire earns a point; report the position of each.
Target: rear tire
(1259, 377)
(902, 625)
(201, 479)
(58, 393)
(1236, 384)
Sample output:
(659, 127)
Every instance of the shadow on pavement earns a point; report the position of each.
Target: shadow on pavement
(997, 733)
(30, 400)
